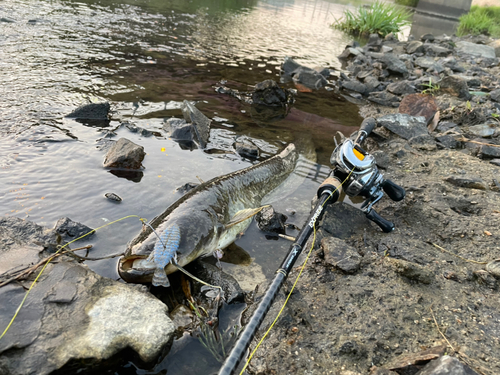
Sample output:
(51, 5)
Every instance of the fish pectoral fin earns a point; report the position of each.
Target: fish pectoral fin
(243, 215)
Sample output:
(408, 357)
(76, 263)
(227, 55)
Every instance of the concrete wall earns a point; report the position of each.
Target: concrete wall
(444, 8)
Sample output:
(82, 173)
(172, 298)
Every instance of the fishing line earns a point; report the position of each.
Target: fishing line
(51, 258)
(295, 283)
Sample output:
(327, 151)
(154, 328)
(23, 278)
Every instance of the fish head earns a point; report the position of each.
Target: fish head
(198, 234)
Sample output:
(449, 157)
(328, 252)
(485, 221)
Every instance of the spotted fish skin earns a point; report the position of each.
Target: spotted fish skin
(164, 252)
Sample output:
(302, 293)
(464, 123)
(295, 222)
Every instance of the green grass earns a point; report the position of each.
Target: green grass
(480, 20)
(408, 3)
(380, 18)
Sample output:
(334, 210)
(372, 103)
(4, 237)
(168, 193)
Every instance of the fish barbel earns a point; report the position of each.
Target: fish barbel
(205, 220)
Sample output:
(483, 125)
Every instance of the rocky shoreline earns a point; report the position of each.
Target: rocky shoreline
(429, 288)
(424, 295)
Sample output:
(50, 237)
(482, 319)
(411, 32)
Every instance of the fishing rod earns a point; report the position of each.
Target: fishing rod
(353, 170)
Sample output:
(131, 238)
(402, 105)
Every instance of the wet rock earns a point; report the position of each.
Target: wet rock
(354, 85)
(415, 46)
(179, 130)
(74, 315)
(93, 111)
(466, 182)
(446, 365)
(215, 276)
(384, 98)
(200, 122)
(475, 49)
(113, 197)
(394, 64)
(405, 126)
(269, 93)
(124, 154)
(495, 95)
(340, 255)
(419, 105)
(246, 149)
(303, 76)
(401, 87)
(412, 271)
(455, 85)
(268, 220)
(70, 230)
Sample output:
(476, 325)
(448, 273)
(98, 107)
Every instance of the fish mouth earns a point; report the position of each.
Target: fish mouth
(136, 269)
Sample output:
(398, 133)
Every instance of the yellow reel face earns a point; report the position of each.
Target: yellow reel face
(358, 154)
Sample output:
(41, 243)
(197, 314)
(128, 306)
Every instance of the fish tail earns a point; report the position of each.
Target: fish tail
(160, 278)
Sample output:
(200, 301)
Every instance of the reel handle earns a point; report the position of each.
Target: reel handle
(394, 191)
(384, 224)
(365, 129)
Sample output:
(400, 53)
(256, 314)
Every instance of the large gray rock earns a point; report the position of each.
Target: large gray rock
(72, 314)
(476, 49)
(405, 126)
(124, 154)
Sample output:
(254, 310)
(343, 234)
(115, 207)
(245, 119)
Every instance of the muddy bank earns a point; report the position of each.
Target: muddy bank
(427, 285)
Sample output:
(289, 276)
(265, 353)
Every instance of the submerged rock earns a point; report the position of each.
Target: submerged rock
(268, 220)
(71, 230)
(93, 111)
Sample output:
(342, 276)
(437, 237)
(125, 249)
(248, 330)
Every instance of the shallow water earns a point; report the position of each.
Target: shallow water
(145, 58)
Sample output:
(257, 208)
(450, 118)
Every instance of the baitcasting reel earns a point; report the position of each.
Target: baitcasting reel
(353, 164)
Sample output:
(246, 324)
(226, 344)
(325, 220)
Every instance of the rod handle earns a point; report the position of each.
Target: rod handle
(365, 129)
(384, 224)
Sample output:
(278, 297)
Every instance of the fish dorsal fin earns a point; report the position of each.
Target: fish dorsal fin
(243, 215)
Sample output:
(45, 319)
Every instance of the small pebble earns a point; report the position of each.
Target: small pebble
(113, 197)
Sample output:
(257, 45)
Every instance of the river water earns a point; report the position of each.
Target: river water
(145, 58)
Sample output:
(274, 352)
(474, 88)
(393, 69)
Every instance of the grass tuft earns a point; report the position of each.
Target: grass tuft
(380, 18)
(480, 20)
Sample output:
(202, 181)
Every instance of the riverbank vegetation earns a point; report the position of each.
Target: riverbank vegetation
(480, 20)
(380, 18)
